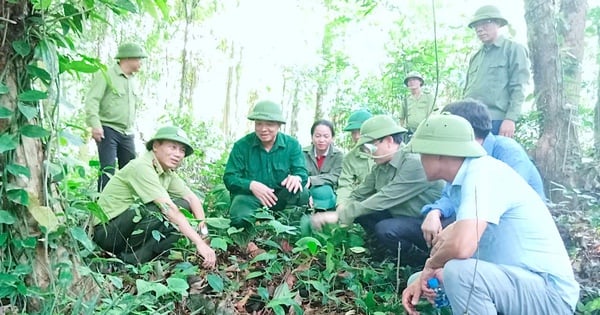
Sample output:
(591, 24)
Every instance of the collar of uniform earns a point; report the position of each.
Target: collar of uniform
(279, 142)
(398, 158)
(314, 150)
(149, 156)
(117, 69)
(459, 178)
(497, 43)
(488, 143)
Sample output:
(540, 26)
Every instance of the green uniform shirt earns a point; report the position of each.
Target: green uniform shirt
(141, 180)
(249, 161)
(417, 110)
(112, 103)
(330, 170)
(399, 186)
(355, 167)
(497, 77)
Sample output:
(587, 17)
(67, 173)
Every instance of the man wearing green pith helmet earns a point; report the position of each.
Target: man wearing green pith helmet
(503, 255)
(110, 107)
(142, 201)
(418, 105)
(265, 168)
(388, 202)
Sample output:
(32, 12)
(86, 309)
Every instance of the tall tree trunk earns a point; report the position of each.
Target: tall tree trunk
(295, 110)
(555, 148)
(238, 79)
(597, 107)
(225, 126)
(185, 87)
(319, 101)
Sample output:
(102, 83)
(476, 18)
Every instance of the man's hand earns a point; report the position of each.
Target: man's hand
(439, 239)
(431, 226)
(210, 258)
(98, 134)
(264, 193)
(411, 296)
(319, 219)
(507, 128)
(293, 183)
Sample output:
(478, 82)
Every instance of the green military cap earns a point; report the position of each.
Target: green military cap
(268, 111)
(378, 127)
(174, 134)
(414, 75)
(488, 12)
(323, 197)
(445, 134)
(131, 50)
(357, 118)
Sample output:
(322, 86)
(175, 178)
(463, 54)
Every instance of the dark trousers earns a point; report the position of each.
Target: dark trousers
(388, 231)
(132, 237)
(496, 126)
(114, 147)
(241, 211)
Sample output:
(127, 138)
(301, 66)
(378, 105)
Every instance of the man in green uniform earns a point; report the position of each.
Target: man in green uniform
(265, 168)
(388, 203)
(110, 107)
(418, 105)
(498, 72)
(356, 164)
(144, 220)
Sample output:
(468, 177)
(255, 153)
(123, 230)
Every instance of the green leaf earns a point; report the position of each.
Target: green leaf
(80, 235)
(19, 196)
(6, 217)
(22, 269)
(21, 47)
(117, 282)
(282, 228)
(309, 242)
(3, 238)
(157, 235)
(45, 217)
(32, 96)
(358, 249)
(254, 274)
(95, 209)
(219, 243)
(219, 223)
(3, 88)
(18, 170)
(29, 112)
(83, 66)
(127, 5)
(7, 143)
(262, 215)
(143, 286)
(263, 257)
(28, 242)
(216, 282)
(178, 285)
(5, 112)
(37, 72)
(34, 131)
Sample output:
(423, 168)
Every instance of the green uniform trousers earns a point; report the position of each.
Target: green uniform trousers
(243, 207)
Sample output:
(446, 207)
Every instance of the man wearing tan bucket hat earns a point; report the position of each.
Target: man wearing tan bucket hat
(503, 255)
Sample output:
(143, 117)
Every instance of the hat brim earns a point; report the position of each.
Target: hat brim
(352, 126)
(188, 148)
(445, 148)
(266, 118)
(374, 136)
(408, 78)
(502, 21)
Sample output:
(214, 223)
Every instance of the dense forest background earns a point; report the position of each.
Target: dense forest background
(209, 62)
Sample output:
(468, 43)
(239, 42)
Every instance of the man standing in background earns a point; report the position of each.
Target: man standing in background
(418, 105)
(498, 72)
(110, 108)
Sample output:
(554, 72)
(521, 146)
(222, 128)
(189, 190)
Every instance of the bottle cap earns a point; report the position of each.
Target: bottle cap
(433, 283)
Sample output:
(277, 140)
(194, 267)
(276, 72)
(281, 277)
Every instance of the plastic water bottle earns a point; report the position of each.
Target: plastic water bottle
(441, 300)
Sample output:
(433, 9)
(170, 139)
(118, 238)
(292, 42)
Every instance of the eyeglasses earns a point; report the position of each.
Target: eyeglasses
(372, 146)
(482, 23)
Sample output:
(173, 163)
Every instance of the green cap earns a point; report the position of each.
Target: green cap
(174, 134)
(268, 111)
(377, 127)
(323, 197)
(445, 134)
(488, 12)
(131, 50)
(356, 119)
(414, 75)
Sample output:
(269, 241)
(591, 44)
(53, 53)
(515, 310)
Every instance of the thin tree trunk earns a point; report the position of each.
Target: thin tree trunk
(597, 107)
(295, 110)
(227, 109)
(319, 102)
(184, 84)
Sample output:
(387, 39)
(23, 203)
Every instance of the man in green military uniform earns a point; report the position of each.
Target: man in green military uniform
(388, 203)
(110, 107)
(138, 199)
(418, 105)
(498, 72)
(265, 168)
(356, 164)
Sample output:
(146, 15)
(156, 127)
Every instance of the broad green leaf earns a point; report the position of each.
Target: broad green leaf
(318, 286)
(21, 47)
(29, 112)
(143, 286)
(38, 72)
(5, 112)
(18, 170)
(3, 238)
(254, 274)
(219, 223)
(7, 143)
(178, 285)
(22, 269)
(277, 309)
(262, 215)
(45, 50)
(282, 228)
(28, 242)
(263, 257)
(45, 217)
(34, 131)
(234, 230)
(117, 282)
(6, 291)
(6, 217)
(41, 5)
(32, 96)
(157, 235)
(83, 66)
(357, 249)
(126, 5)
(80, 235)
(3, 88)
(310, 242)
(219, 243)
(263, 293)
(216, 282)
(19, 196)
